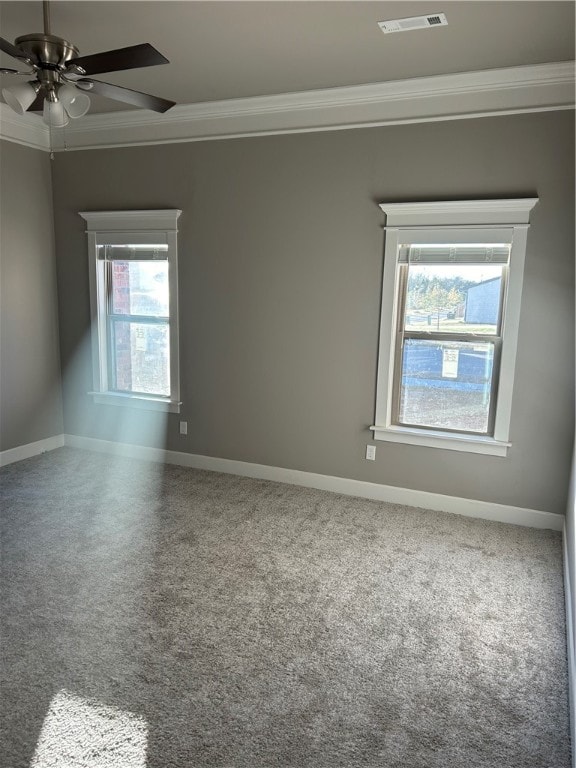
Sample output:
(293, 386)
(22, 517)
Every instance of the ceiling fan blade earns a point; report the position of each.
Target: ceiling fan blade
(145, 100)
(143, 55)
(13, 51)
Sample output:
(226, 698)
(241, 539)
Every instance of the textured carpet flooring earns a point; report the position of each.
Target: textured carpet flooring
(159, 617)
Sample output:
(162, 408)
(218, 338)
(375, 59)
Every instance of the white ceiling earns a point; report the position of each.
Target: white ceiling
(220, 50)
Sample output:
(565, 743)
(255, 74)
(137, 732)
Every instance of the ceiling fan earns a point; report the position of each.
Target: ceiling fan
(62, 77)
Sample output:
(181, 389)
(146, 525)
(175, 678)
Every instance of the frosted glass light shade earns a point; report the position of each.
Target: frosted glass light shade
(20, 97)
(55, 114)
(74, 101)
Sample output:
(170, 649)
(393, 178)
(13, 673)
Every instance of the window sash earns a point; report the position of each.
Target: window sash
(112, 350)
(107, 318)
(108, 288)
(164, 319)
(403, 295)
(112, 318)
(402, 335)
(496, 344)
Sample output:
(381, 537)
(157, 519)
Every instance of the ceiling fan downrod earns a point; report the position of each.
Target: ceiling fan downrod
(46, 11)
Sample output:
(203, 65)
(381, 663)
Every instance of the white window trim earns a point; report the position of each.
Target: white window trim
(496, 219)
(134, 227)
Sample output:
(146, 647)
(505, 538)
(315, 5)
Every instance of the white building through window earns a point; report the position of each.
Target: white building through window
(451, 292)
(134, 304)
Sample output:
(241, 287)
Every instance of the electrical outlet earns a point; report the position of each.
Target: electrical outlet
(371, 452)
(183, 427)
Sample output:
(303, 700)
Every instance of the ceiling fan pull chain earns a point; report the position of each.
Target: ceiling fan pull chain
(50, 141)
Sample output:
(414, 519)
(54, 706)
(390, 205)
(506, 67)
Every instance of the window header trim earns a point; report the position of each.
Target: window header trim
(131, 221)
(454, 212)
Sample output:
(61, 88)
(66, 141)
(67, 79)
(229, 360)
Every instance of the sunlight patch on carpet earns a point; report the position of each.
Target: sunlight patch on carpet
(78, 733)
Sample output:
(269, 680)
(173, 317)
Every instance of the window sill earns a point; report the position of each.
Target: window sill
(150, 403)
(450, 442)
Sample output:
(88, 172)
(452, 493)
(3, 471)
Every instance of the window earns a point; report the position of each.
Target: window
(449, 324)
(134, 300)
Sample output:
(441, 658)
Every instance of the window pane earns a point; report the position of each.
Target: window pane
(453, 298)
(140, 288)
(446, 385)
(141, 357)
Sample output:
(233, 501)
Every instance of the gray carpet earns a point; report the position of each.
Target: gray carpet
(158, 617)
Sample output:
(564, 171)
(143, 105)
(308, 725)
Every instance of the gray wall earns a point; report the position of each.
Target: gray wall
(30, 393)
(570, 579)
(281, 252)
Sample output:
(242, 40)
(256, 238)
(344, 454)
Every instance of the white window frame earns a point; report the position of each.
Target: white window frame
(471, 221)
(131, 227)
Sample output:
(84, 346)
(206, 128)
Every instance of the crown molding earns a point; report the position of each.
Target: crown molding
(26, 129)
(514, 90)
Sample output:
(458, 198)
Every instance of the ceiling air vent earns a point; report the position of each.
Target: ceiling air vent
(414, 22)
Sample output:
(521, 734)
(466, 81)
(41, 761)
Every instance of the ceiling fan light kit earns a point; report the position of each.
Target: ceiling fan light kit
(54, 114)
(21, 96)
(74, 101)
(62, 77)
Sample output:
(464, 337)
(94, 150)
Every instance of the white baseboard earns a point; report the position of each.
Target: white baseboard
(571, 640)
(30, 449)
(503, 513)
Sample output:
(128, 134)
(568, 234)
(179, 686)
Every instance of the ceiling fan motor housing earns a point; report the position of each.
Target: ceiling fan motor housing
(49, 51)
